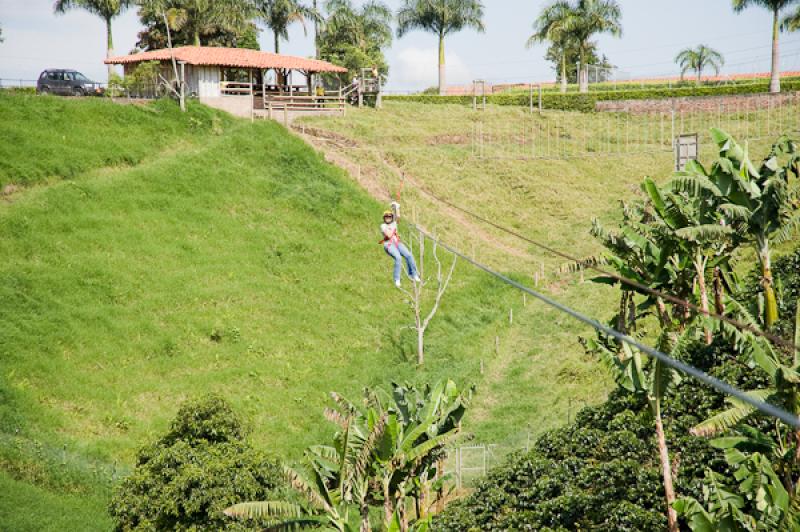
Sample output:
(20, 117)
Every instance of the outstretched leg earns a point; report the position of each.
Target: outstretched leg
(393, 252)
(412, 266)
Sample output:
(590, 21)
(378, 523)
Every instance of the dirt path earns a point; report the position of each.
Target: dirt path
(325, 140)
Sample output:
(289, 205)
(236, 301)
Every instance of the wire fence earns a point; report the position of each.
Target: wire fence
(567, 134)
(14, 83)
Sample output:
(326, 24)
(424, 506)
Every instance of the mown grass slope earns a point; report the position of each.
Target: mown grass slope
(540, 376)
(47, 137)
(238, 263)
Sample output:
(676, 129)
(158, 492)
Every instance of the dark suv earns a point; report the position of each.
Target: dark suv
(66, 82)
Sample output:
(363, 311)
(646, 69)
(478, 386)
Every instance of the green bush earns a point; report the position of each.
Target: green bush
(586, 102)
(202, 465)
(602, 472)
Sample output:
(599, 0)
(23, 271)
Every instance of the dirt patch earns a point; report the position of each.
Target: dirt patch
(452, 140)
(325, 136)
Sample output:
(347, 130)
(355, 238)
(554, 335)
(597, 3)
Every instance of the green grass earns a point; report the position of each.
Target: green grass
(47, 137)
(240, 264)
(540, 376)
(28, 508)
(230, 258)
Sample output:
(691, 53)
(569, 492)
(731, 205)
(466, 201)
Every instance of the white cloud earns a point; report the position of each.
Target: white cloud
(418, 68)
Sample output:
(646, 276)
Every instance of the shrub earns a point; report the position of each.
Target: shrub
(202, 465)
(586, 102)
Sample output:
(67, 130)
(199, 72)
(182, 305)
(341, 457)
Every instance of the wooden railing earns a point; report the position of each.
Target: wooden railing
(274, 104)
(235, 88)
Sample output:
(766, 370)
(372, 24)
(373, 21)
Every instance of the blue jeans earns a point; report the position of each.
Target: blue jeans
(398, 253)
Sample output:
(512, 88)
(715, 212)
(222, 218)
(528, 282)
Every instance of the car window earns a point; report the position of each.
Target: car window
(68, 76)
(80, 77)
(53, 76)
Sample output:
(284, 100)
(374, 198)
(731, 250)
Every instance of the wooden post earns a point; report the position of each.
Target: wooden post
(530, 96)
(511, 316)
(541, 108)
(496, 345)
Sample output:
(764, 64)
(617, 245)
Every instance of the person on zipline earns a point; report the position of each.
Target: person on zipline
(396, 249)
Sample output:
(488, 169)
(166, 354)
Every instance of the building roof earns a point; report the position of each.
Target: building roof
(228, 57)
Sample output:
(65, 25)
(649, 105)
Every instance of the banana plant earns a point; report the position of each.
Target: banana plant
(646, 253)
(757, 501)
(759, 204)
(638, 373)
(336, 483)
(783, 390)
(421, 424)
(695, 222)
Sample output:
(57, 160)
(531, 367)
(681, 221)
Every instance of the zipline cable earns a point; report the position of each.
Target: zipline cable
(630, 282)
(589, 266)
(683, 367)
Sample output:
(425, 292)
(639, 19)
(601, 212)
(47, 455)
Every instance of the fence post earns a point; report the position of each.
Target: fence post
(458, 467)
(541, 108)
(530, 97)
(672, 137)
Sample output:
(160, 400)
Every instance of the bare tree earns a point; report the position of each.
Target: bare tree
(416, 297)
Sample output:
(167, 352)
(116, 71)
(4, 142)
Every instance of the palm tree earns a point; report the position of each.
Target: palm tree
(105, 9)
(199, 18)
(775, 6)
(278, 15)
(355, 36)
(441, 17)
(698, 59)
(549, 26)
(584, 19)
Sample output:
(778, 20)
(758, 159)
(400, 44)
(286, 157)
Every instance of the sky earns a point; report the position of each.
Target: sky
(653, 32)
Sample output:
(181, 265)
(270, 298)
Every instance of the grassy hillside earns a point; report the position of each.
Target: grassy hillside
(540, 376)
(47, 137)
(238, 263)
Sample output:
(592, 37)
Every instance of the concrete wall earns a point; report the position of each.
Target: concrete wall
(697, 103)
(236, 105)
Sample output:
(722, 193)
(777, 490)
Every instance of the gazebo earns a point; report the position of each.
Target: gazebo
(263, 82)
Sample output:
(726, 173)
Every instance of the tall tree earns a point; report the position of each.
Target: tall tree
(105, 9)
(774, 6)
(355, 37)
(317, 22)
(583, 19)
(278, 15)
(196, 22)
(699, 59)
(441, 17)
(550, 27)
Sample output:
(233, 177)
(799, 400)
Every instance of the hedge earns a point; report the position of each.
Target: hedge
(586, 102)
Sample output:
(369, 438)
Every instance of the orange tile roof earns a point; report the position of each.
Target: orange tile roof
(228, 57)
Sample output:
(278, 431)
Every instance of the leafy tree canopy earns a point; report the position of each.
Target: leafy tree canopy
(228, 23)
(356, 37)
(187, 477)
